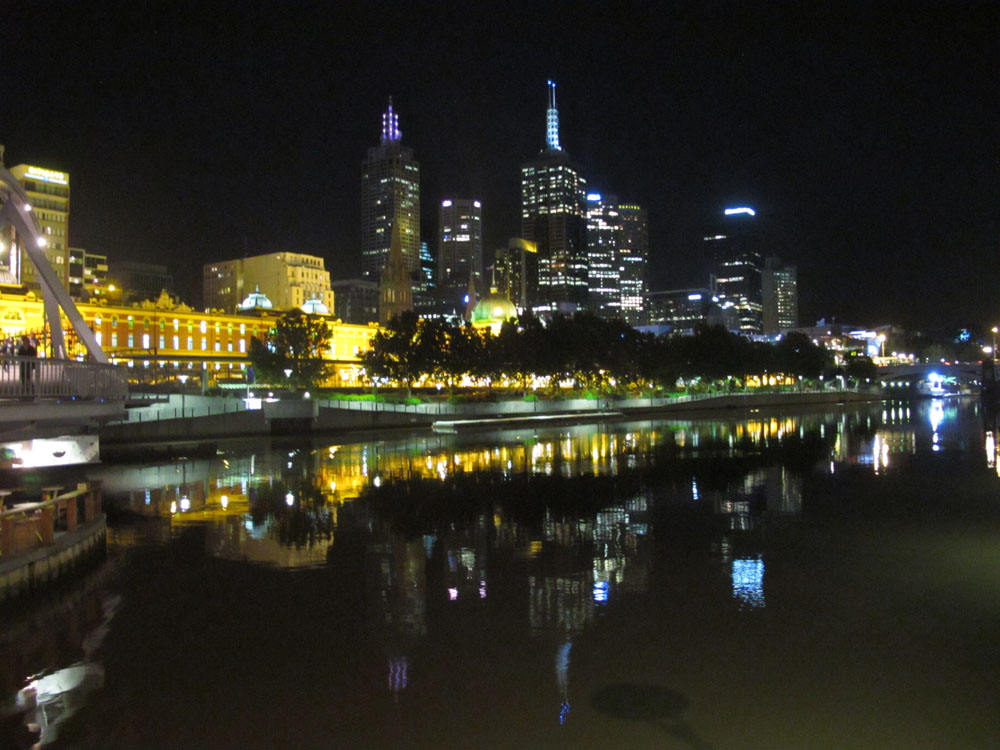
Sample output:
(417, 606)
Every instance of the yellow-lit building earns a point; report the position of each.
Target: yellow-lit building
(48, 195)
(164, 339)
(288, 279)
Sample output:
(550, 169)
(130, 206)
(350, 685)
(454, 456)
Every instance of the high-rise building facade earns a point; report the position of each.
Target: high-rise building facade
(633, 261)
(734, 245)
(604, 236)
(780, 293)
(355, 301)
(88, 273)
(460, 245)
(48, 194)
(552, 216)
(617, 253)
(390, 194)
(135, 281)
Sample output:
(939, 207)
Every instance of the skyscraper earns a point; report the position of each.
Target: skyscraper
(48, 194)
(735, 249)
(604, 235)
(633, 258)
(780, 294)
(460, 245)
(390, 194)
(552, 208)
(617, 251)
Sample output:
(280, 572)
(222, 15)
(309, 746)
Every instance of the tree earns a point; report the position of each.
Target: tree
(395, 351)
(298, 343)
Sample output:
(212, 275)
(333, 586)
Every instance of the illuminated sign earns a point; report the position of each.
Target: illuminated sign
(48, 175)
(740, 210)
(445, 204)
(593, 196)
(477, 204)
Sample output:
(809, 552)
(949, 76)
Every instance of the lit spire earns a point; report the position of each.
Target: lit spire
(390, 125)
(552, 120)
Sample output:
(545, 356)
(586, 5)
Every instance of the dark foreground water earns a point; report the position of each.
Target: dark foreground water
(786, 580)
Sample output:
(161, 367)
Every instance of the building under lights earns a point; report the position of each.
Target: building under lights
(288, 279)
(734, 245)
(390, 193)
(160, 340)
(780, 296)
(633, 259)
(48, 195)
(515, 272)
(617, 251)
(552, 217)
(460, 246)
(88, 274)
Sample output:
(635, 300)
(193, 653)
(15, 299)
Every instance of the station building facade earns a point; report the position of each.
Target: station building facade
(163, 340)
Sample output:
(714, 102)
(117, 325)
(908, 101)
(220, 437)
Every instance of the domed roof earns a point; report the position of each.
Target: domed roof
(256, 301)
(315, 306)
(493, 308)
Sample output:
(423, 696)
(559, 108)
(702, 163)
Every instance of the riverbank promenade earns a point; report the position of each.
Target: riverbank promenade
(193, 418)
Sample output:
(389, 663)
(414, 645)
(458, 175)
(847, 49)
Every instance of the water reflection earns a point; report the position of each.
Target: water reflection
(545, 535)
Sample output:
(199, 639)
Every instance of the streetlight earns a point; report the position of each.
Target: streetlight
(994, 329)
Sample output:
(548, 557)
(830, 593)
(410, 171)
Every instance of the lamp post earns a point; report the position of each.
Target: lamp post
(994, 330)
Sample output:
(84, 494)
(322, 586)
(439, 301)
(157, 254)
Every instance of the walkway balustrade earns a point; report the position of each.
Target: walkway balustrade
(37, 378)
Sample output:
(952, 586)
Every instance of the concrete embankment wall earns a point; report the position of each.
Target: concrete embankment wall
(30, 570)
(295, 417)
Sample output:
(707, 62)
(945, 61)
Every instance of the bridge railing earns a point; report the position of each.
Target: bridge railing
(42, 378)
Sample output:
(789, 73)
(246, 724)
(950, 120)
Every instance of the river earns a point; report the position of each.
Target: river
(771, 579)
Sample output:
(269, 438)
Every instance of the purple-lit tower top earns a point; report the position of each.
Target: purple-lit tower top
(552, 121)
(390, 125)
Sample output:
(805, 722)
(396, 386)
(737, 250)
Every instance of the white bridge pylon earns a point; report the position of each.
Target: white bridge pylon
(16, 211)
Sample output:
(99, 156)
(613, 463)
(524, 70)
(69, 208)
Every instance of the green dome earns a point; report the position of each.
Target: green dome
(493, 308)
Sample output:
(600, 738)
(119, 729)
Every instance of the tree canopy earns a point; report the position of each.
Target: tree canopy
(592, 352)
(298, 343)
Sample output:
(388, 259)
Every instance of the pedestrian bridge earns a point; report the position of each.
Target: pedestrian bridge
(965, 372)
(42, 396)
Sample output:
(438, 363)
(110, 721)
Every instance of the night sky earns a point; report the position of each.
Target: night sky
(199, 131)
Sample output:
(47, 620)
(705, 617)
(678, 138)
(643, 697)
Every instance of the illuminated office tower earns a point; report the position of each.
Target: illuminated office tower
(779, 286)
(552, 208)
(48, 194)
(390, 193)
(633, 259)
(734, 246)
(460, 245)
(617, 250)
(604, 236)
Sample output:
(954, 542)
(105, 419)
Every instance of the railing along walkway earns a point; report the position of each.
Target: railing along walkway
(37, 378)
(29, 526)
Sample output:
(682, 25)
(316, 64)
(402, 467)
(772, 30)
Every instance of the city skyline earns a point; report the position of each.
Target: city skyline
(863, 137)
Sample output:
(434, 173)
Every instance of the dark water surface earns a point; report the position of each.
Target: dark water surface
(767, 580)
